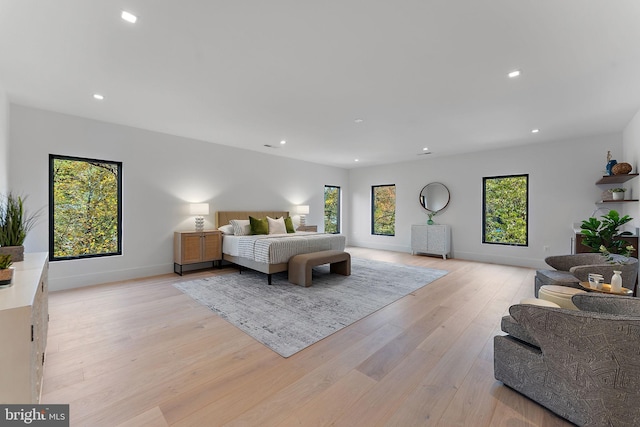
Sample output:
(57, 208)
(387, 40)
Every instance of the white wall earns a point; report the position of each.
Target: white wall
(631, 155)
(4, 142)
(562, 190)
(161, 175)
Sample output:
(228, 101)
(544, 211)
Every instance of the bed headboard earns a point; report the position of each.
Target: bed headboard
(223, 217)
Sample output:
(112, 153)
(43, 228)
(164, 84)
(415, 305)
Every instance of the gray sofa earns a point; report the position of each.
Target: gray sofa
(570, 270)
(583, 365)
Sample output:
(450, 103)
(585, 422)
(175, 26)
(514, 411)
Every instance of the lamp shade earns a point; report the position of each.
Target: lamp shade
(199, 209)
(302, 209)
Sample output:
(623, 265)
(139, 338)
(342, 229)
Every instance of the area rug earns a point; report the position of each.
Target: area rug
(288, 318)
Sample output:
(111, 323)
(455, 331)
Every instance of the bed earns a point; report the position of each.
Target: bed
(270, 253)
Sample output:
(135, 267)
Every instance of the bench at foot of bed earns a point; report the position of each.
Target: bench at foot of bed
(300, 266)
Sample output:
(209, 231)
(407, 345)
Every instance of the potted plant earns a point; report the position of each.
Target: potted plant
(605, 233)
(15, 223)
(6, 273)
(618, 193)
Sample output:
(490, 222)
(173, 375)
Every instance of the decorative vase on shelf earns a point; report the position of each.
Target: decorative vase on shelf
(616, 281)
(610, 165)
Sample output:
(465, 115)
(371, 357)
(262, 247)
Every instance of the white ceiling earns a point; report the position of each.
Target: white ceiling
(245, 73)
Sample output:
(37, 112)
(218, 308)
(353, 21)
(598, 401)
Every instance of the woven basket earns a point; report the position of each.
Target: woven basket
(621, 168)
(6, 275)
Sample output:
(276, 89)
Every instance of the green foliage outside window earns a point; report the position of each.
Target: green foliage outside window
(383, 210)
(85, 211)
(331, 209)
(505, 215)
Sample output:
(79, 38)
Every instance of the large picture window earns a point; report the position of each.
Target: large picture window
(331, 209)
(85, 208)
(383, 210)
(505, 213)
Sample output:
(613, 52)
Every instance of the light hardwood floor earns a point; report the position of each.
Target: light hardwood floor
(141, 353)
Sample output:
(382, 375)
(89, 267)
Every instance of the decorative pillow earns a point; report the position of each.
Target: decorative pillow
(276, 226)
(226, 229)
(241, 227)
(288, 223)
(296, 221)
(259, 226)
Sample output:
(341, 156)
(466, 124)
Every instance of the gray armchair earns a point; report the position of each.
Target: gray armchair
(583, 365)
(570, 270)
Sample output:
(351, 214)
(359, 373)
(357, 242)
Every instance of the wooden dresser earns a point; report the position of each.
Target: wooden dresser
(24, 319)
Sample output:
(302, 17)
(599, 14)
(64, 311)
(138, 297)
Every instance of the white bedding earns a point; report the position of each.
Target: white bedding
(278, 248)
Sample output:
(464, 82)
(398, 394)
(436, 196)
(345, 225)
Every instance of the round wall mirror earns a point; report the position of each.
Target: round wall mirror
(434, 197)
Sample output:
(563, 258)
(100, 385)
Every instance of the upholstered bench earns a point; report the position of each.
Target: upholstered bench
(300, 266)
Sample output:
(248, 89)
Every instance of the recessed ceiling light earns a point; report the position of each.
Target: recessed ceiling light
(129, 17)
(535, 130)
(425, 149)
(98, 96)
(356, 160)
(359, 120)
(283, 142)
(514, 73)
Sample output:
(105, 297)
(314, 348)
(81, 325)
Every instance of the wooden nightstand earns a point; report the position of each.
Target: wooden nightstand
(308, 228)
(193, 247)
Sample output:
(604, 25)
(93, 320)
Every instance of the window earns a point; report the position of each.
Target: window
(331, 209)
(505, 210)
(85, 208)
(383, 210)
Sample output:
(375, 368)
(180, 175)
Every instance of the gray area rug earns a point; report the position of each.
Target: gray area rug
(288, 318)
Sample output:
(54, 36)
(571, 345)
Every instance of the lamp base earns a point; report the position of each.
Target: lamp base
(303, 220)
(199, 223)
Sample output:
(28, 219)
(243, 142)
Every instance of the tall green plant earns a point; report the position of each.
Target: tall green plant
(15, 222)
(605, 232)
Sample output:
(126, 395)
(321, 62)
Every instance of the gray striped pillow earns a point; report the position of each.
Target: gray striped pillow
(241, 227)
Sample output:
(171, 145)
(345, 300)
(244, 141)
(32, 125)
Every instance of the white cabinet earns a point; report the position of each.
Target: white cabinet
(431, 239)
(24, 317)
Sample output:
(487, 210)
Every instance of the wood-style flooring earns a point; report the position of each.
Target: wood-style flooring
(141, 353)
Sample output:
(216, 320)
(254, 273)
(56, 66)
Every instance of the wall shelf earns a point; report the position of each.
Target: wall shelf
(616, 179)
(618, 201)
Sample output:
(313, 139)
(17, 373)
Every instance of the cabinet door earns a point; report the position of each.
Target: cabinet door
(419, 238)
(212, 248)
(436, 242)
(191, 248)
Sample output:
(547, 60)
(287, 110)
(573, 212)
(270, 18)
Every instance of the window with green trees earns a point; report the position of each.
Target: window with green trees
(85, 208)
(331, 209)
(383, 210)
(505, 213)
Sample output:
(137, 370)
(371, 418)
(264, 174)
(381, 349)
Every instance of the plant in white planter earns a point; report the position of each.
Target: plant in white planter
(618, 193)
(6, 273)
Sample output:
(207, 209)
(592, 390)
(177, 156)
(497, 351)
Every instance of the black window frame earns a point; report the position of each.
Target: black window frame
(52, 158)
(338, 213)
(484, 210)
(373, 210)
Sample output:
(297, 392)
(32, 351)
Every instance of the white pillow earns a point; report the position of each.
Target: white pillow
(296, 221)
(276, 226)
(226, 229)
(241, 227)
